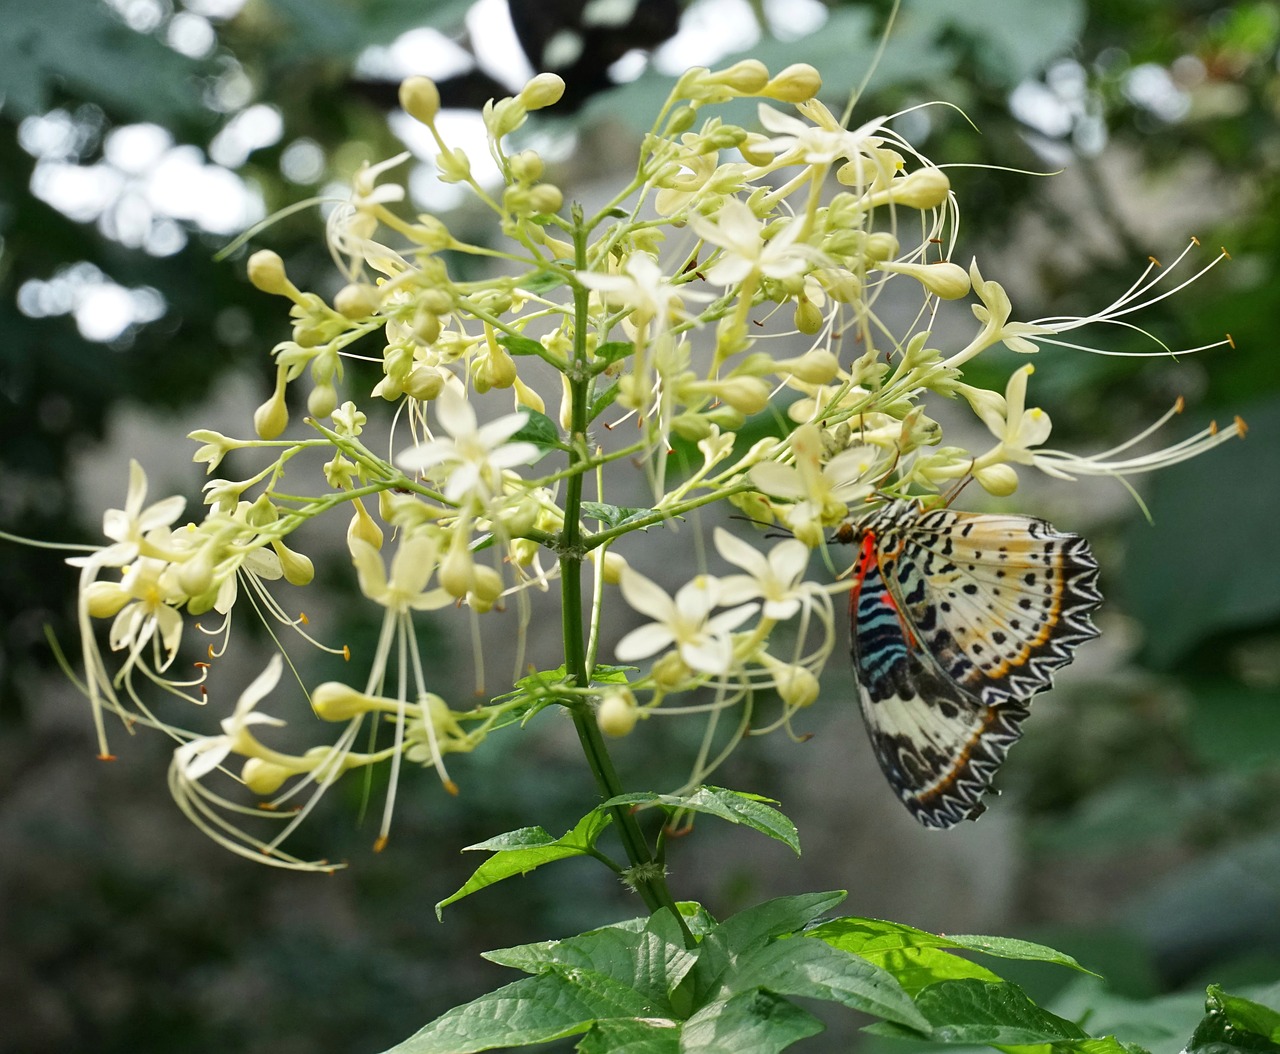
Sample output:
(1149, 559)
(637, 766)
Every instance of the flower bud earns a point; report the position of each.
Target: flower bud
(423, 383)
(747, 395)
(526, 166)
(691, 426)
(363, 527)
(808, 316)
(357, 300)
(1000, 480)
(946, 281)
(617, 713)
(262, 513)
(796, 686)
(747, 77)
(298, 569)
(266, 272)
(681, 121)
(195, 576)
(334, 701)
(753, 149)
(322, 401)
(612, 566)
(925, 188)
(545, 198)
(272, 417)
(457, 571)
(104, 599)
(813, 367)
(264, 777)
(420, 99)
(796, 83)
(670, 671)
(526, 396)
(486, 585)
(544, 90)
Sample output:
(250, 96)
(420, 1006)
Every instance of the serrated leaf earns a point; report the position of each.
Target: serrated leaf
(519, 852)
(811, 969)
(971, 1011)
(738, 807)
(750, 1023)
(520, 345)
(652, 960)
(539, 430)
(614, 515)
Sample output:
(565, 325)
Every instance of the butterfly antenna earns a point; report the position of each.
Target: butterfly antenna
(954, 493)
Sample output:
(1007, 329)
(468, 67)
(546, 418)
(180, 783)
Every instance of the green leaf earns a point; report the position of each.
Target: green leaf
(652, 960)
(539, 430)
(971, 1011)
(531, 1010)
(1233, 1023)
(917, 968)
(612, 516)
(875, 939)
(519, 345)
(613, 350)
(752, 1022)
(519, 852)
(752, 929)
(811, 969)
(747, 810)
(603, 401)
(649, 1036)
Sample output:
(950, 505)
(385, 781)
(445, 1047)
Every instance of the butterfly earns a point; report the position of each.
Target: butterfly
(958, 619)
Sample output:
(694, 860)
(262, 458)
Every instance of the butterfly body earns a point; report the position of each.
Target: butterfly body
(958, 620)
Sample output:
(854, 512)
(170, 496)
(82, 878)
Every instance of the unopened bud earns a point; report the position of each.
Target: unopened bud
(796, 83)
(1000, 480)
(298, 569)
(266, 272)
(264, 777)
(617, 713)
(808, 316)
(357, 300)
(545, 198)
(544, 90)
(272, 417)
(334, 701)
(747, 77)
(420, 99)
(363, 528)
(322, 401)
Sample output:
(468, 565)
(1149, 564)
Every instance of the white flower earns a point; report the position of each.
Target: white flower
(472, 461)
(776, 579)
(740, 236)
(702, 640)
(822, 493)
(642, 287)
(202, 755)
(411, 568)
(153, 610)
(128, 527)
(1008, 419)
(814, 144)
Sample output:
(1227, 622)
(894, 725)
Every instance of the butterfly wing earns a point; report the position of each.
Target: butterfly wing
(938, 743)
(1001, 602)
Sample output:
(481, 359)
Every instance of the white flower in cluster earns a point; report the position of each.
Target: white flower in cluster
(198, 757)
(471, 461)
(702, 640)
(746, 251)
(129, 527)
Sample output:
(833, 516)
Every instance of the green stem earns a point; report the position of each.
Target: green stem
(646, 874)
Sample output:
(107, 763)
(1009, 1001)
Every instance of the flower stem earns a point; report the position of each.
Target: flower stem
(646, 875)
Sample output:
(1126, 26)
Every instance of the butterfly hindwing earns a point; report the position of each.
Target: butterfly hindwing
(958, 620)
(938, 744)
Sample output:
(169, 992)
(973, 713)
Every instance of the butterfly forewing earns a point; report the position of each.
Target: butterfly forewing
(958, 619)
(1000, 601)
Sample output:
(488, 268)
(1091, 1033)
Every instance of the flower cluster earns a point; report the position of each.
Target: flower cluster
(734, 277)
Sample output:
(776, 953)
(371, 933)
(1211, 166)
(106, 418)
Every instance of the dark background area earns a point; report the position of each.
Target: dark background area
(1141, 828)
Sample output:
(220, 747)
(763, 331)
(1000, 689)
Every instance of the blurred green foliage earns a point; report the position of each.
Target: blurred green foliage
(1148, 796)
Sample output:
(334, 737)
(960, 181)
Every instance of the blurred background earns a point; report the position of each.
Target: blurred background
(1140, 825)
